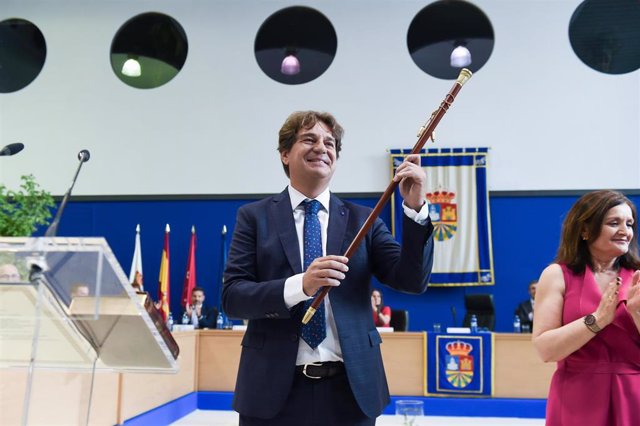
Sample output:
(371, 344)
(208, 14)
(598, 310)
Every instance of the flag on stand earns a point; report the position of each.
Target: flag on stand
(163, 280)
(190, 275)
(135, 275)
(223, 264)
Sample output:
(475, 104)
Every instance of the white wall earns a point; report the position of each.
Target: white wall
(550, 121)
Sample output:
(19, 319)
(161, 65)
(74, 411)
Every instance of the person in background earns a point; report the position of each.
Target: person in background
(287, 247)
(9, 273)
(79, 290)
(588, 315)
(525, 309)
(206, 316)
(381, 313)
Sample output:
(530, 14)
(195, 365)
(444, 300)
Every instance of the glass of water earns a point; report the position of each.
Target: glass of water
(409, 410)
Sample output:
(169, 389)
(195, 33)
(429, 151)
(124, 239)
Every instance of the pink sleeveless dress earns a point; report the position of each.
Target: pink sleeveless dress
(599, 384)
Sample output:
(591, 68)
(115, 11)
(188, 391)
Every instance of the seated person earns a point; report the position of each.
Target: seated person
(381, 313)
(206, 316)
(79, 290)
(525, 309)
(9, 273)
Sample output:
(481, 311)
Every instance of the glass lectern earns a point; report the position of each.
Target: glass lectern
(66, 304)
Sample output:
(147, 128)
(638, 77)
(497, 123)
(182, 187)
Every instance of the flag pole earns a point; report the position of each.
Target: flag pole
(223, 263)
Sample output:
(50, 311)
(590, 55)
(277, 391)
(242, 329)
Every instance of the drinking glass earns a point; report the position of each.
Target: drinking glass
(409, 410)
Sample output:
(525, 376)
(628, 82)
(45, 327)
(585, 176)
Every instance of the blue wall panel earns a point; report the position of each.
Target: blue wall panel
(525, 235)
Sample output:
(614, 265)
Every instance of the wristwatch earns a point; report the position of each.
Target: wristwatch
(590, 322)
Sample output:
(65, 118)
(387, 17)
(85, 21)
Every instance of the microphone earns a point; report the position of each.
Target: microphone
(11, 149)
(453, 314)
(83, 157)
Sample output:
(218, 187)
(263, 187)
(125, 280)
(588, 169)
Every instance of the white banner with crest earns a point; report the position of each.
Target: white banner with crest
(459, 209)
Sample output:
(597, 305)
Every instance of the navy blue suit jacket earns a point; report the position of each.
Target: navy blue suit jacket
(264, 252)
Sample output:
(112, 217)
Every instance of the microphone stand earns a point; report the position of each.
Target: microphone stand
(83, 156)
(38, 266)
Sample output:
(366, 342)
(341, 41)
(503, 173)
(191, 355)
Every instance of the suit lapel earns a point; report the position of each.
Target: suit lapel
(336, 230)
(281, 214)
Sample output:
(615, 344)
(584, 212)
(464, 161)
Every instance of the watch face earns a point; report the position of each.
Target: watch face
(590, 319)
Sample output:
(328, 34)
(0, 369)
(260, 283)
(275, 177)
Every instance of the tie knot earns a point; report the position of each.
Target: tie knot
(311, 207)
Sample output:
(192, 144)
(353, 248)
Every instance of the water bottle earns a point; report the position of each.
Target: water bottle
(474, 324)
(185, 318)
(194, 317)
(170, 322)
(517, 328)
(220, 321)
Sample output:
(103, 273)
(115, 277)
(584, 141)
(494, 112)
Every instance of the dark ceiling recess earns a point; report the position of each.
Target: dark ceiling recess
(22, 54)
(303, 31)
(605, 35)
(157, 41)
(441, 26)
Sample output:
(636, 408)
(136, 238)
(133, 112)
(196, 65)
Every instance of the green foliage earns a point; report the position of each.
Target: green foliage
(22, 211)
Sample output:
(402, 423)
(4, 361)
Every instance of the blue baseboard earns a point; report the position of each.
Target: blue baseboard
(477, 407)
(167, 413)
(461, 407)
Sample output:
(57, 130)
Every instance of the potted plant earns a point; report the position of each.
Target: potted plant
(22, 211)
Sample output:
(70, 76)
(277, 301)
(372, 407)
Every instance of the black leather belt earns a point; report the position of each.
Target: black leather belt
(321, 370)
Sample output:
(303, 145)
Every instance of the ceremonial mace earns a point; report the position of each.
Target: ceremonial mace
(424, 134)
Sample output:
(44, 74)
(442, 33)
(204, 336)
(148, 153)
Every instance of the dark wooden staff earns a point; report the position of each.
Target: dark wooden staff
(424, 134)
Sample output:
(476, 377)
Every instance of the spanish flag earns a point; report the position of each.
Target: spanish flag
(163, 287)
(190, 274)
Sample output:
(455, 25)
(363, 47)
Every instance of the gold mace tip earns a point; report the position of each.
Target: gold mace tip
(464, 76)
(308, 315)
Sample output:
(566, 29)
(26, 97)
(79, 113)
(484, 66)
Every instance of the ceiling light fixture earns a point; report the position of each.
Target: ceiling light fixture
(460, 56)
(131, 67)
(290, 64)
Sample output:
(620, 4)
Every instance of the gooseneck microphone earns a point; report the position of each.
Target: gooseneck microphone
(11, 149)
(453, 314)
(83, 157)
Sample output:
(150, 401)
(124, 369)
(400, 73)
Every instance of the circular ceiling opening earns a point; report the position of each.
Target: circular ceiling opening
(295, 45)
(149, 50)
(22, 54)
(448, 35)
(605, 35)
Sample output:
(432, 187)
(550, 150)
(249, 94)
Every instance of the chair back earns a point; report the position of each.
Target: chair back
(399, 320)
(480, 305)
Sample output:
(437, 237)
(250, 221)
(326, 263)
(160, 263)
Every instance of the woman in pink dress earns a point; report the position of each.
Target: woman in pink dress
(587, 315)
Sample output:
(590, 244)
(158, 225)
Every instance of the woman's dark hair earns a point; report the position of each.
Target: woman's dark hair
(306, 120)
(380, 293)
(584, 223)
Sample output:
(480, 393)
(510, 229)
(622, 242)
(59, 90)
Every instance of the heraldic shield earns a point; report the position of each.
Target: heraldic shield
(459, 364)
(459, 370)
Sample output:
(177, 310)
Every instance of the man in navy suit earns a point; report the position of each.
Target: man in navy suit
(525, 309)
(283, 380)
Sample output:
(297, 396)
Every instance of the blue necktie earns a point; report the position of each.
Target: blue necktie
(314, 331)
